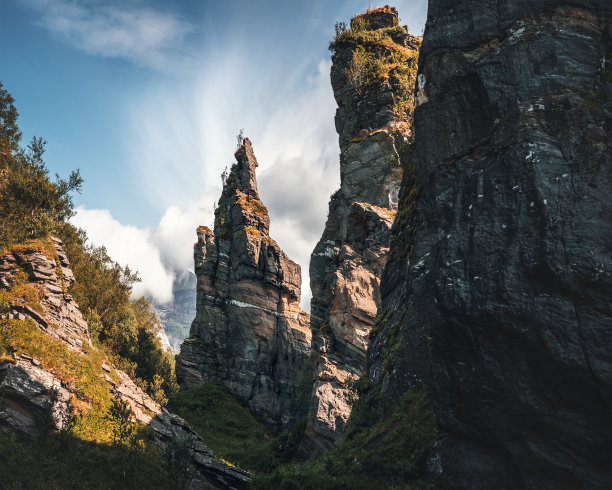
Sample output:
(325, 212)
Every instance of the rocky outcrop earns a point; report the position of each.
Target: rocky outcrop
(372, 77)
(504, 309)
(249, 332)
(34, 400)
(55, 311)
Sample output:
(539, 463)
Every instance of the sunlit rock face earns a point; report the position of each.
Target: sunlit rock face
(249, 332)
(347, 263)
(35, 399)
(500, 299)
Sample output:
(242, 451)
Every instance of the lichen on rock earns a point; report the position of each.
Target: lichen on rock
(249, 332)
(373, 72)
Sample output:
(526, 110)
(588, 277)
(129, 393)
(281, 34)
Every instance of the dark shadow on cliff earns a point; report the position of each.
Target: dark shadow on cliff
(60, 460)
(387, 445)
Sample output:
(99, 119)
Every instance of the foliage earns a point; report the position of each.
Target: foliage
(251, 206)
(360, 23)
(386, 447)
(81, 372)
(9, 131)
(239, 140)
(364, 36)
(23, 292)
(375, 58)
(405, 75)
(61, 460)
(363, 69)
(126, 330)
(227, 426)
(176, 456)
(339, 27)
(31, 204)
(118, 414)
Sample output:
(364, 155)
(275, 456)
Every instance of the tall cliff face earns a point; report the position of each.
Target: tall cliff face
(498, 296)
(249, 332)
(374, 65)
(38, 393)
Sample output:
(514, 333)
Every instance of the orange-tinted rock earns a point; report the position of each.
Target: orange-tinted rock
(249, 332)
(347, 263)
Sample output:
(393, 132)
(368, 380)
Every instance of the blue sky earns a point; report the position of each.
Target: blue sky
(146, 98)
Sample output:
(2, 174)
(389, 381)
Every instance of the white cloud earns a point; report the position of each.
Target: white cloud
(298, 156)
(179, 142)
(130, 246)
(175, 233)
(143, 35)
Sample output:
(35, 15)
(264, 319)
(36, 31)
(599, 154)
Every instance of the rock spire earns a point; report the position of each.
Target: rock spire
(249, 332)
(374, 64)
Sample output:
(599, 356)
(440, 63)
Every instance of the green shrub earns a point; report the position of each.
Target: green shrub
(363, 69)
(386, 446)
(60, 460)
(227, 426)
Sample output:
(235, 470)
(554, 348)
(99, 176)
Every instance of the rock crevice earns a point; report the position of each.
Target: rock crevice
(371, 76)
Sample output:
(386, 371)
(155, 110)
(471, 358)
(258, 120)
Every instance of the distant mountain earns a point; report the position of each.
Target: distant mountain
(177, 315)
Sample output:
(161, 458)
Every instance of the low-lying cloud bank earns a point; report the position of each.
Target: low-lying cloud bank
(297, 150)
(157, 254)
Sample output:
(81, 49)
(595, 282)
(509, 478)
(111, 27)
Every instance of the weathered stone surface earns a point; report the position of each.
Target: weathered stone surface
(34, 401)
(249, 332)
(499, 296)
(61, 316)
(347, 263)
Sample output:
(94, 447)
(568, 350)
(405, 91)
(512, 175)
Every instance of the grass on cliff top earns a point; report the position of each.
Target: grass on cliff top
(364, 36)
(82, 372)
(22, 293)
(227, 426)
(251, 206)
(59, 460)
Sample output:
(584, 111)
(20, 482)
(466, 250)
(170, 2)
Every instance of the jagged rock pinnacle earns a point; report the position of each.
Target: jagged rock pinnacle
(245, 169)
(249, 332)
(239, 206)
(372, 120)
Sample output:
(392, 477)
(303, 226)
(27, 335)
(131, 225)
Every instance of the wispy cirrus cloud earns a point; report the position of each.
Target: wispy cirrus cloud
(179, 158)
(144, 35)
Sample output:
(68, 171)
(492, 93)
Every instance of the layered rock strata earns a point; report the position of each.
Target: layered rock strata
(372, 77)
(249, 332)
(504, 309)
(34, 400)
(60, 315)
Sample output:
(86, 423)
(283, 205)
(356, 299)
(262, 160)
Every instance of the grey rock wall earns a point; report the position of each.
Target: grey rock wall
(249, 332)
(347, 263)
(500, 297)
